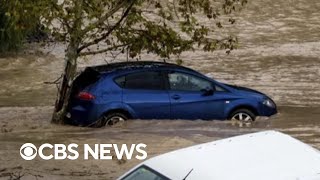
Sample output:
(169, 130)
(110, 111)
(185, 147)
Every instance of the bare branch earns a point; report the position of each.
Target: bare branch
(62, 15)
(102, 50)
(105, 35)
(101, 21)
(57, 81)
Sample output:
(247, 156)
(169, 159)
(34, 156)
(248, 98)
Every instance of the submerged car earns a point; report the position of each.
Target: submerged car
(157, 90)
(264, 156)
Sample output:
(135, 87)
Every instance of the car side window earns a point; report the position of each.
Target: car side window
(149, 80)
(186, 82)
(120, 81)
(219, 89)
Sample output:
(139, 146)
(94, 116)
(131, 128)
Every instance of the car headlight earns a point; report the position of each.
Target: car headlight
(269, 103)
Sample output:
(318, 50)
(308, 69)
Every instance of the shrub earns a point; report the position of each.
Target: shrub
(19, 21)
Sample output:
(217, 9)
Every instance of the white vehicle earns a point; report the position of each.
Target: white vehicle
(268, 155)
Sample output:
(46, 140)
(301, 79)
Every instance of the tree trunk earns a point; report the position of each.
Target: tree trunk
(71, 57)
(61, 104)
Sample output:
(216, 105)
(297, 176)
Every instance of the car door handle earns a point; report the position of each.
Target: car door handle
(176, 97)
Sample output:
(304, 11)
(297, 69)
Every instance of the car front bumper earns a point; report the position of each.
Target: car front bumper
(268, 111)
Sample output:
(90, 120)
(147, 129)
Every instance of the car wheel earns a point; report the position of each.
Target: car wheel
(243, 115)
(114, 118)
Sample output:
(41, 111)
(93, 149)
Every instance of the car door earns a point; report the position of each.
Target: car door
(190, 98)
(145, 93)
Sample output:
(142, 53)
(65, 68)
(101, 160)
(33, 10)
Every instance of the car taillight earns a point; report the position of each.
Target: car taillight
(85, 96)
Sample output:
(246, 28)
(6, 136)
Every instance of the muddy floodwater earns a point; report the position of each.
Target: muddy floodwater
(279, 54)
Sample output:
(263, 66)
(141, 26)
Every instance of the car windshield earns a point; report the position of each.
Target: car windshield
(144, 173)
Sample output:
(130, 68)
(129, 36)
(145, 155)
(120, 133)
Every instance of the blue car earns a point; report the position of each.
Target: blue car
(116, 92)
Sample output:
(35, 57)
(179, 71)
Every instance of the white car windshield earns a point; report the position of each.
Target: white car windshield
(144, 173)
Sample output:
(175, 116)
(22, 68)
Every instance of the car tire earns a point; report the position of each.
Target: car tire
(243, 115)
(114, 118)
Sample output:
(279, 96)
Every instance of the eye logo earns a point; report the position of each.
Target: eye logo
(28, 151)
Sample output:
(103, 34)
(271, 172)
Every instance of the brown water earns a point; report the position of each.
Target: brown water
(278, 55)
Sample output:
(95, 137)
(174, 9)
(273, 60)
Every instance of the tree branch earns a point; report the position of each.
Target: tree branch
(62, 15)
(105, 35)
(102, 50)
(105, 17)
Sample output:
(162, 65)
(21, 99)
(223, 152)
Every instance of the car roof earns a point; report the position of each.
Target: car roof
(134, 65)
(263, 155)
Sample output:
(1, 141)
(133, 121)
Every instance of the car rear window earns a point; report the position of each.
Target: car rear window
(150, 80)
(88, 77)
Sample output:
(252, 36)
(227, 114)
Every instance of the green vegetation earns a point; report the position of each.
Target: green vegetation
(19, 21)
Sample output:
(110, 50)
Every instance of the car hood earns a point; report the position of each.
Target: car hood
(246, 91)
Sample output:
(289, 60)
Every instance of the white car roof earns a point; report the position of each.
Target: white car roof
(268, 155)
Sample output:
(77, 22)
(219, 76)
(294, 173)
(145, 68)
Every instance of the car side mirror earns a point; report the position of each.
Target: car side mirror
(207, 92)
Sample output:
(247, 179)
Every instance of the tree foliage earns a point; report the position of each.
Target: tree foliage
(19, 19)
(162, 27)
